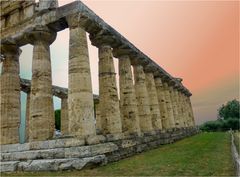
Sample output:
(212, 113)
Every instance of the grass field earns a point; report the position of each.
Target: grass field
(206, 154)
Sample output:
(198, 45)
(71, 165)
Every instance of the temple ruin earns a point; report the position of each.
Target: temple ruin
(154, 107)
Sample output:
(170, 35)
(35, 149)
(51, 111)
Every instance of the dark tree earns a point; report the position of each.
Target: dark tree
(230, 110)
(228, 118)
(58, 119)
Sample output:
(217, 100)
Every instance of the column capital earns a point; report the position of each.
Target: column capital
(105, 46)
(73, 20)
(159, 79)
(41, 33)
(150, 68)
(102, 38)
(165, 85)
(124, 56)
(121, 52)
(10, 49)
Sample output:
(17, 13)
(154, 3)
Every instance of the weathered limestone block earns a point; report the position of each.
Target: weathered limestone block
(47, 4)
(14, 147)
(41, 124)
(80, 97)
(128, 102)
(64, 116)
(9, 166)
(61, 164)
(142, 99)
(128, 143)
(174, 105)
(10, 95)
(114, 137)
(95, 139)
(27, 118)
(153, 102)
(103, 148)
(108, 94)
(169, 105)
(91, 150)
(162, 103)
(34, 154)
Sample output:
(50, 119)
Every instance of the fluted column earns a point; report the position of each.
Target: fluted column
(191, 111)
(184, 111)
(64, 116)
(128, 102)
(10, 95)
(162, 103)
(108, 94)
(174, 105)
(27, 118)
(169, 105)
(80, 96)
(178, 108)
(153, 102)
(145, 119)
(41, 124)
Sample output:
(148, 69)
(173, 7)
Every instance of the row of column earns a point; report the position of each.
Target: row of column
(149, 105)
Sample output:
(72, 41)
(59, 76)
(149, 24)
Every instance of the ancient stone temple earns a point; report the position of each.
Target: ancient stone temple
(153, 107)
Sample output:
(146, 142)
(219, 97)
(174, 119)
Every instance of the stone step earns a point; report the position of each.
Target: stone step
(8, 166)
(52, 164)
(58, 153)
(49, 144)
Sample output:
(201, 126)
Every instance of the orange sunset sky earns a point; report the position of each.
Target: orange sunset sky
(195, 40)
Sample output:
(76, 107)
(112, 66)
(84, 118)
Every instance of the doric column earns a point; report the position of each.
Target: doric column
(10, 95)
(27, 118)
(41, 125)
(169, 105)
(144, 113)
(128, 102)
(178, 108)
(153, 102)
(64, 116)
(184, 111)
(162, 103)
(80, 96)
(191, 111)
(174, 105)
(108, 94)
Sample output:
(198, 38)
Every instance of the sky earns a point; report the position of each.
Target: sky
(195, 40)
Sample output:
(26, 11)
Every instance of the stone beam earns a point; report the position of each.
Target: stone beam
(59, 92)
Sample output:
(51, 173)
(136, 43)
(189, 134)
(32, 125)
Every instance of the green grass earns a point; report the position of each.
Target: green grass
(237, 140)
(206, 154)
